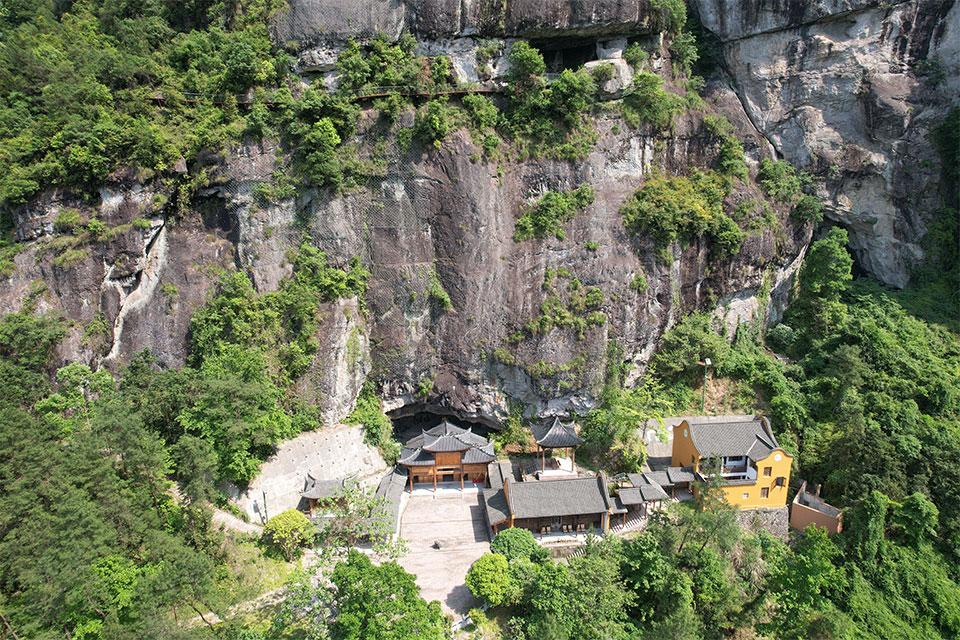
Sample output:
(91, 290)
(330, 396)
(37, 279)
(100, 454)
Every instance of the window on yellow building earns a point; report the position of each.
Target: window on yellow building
(767, 471)
(746, 496)
(764, 492)
(781, 481)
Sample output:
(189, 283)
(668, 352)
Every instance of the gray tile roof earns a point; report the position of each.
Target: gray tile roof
(495, 506)
(391, 490)
(556, 435)
(497, 471)
(651, 492)
(316, 489)
(537, 499)
(656, 477)
(618, 505)
(445, 443)
(636, 479)
(679, 475)
(717, 436)
(630, 495)
(477, 455)
(446, 437)
(416, 457)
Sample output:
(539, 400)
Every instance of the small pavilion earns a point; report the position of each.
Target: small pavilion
(556, 435)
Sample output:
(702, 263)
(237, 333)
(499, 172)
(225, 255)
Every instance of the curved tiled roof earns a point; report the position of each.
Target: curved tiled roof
(446, 437)
(557, 435)
(542, 499)
(315, 489)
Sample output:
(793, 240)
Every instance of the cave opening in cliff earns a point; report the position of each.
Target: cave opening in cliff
(566, 53)
(410, 420)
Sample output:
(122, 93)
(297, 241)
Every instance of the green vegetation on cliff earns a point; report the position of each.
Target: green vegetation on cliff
(548, 214)
(683, 209)
(89, 87)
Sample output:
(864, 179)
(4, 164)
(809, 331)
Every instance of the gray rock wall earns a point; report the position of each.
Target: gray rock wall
(309, 22)
(838, 89)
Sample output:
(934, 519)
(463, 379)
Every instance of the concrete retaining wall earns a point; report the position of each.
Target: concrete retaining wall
(328, 454)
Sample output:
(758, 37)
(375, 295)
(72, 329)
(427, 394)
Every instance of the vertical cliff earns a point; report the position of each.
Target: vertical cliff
(845, 90)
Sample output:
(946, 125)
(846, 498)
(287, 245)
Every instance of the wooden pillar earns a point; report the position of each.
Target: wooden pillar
(573, 457)
(434, 479)
(410, 471)
(543, 458)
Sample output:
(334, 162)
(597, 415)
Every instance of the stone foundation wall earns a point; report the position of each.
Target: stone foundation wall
(776, 521)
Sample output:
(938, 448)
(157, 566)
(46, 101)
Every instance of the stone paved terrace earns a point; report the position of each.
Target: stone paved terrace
(455, 519)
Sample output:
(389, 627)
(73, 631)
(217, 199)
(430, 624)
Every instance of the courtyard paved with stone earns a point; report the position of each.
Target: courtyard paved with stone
(456, 521)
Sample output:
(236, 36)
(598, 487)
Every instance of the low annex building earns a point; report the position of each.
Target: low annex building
(446, 453)
(808, 509)
(743, 450)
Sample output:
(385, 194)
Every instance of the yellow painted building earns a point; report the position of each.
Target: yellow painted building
(743, 449)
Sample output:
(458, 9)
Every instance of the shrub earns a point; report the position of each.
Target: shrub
(571, 94)
(679, 208)
(489, 579)
(437, 293)
(288, 533)
(639, 283)
(551, 211)
(96, 228)
(636, 56)
(683, 47)
(602, 73)
(377, 427)
(780, 180)
(727, 236)
(686, 345)
(391, 106)
(517, 543)
(67, 220)
(648, 103)
(671, 15)
(434, 121)
(483, 113)
(526, 65)
(730, 157)
(808, 209)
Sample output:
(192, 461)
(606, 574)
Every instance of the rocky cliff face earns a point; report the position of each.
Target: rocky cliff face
(849, 91)
(832, 87)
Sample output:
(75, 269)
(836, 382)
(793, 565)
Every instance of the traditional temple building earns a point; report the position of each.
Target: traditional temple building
(446, 453)
(315, 490)
(567, 505)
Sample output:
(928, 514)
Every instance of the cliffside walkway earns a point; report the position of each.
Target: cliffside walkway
(369, 93)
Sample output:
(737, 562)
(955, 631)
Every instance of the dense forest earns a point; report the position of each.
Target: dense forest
(109, 479)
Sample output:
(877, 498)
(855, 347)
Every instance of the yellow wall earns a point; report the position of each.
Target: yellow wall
(778, 495)
(684, 451)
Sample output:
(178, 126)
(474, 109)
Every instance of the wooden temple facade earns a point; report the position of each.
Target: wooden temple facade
(447, 453)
